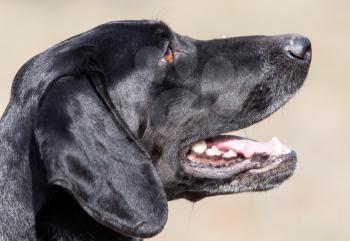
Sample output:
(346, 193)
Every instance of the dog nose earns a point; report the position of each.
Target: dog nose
(299, 47)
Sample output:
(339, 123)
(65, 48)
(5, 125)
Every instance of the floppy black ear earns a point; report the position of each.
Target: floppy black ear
(87, 152)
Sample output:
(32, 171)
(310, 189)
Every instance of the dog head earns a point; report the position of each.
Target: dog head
(140, 121)
(177, 92)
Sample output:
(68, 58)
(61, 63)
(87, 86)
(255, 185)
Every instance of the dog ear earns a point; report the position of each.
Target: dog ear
(87, 152)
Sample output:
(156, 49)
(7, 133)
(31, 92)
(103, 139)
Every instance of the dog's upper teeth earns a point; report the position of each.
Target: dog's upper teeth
(285, 149)
(214, 151)
(278, 147)
(199, 147)
(209, 152)
(217, 152)
(229, 154)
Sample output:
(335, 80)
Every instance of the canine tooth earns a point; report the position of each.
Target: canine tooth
(229, 154)
(285, 149)
(199, 147)
(278, 146)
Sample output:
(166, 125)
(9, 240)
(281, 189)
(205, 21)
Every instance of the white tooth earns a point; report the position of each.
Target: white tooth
(285, 149)
(278, 146)
(199, 147)
(210, 152)
(216, 151)
(229, 154)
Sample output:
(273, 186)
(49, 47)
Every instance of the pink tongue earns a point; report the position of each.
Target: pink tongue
(246, 147)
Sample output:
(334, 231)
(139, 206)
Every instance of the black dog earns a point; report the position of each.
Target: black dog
(106, 127)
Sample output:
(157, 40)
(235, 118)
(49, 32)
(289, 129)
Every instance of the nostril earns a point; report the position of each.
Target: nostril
(299, 47)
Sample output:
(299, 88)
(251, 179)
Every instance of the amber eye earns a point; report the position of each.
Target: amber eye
(168, 56)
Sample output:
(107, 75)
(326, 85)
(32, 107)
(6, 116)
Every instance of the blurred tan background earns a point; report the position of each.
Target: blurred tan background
(315, 203)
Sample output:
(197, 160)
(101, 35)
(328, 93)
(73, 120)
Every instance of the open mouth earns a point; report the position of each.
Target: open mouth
(225, 156)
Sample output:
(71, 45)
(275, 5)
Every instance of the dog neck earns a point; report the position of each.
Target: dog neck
(16, 199)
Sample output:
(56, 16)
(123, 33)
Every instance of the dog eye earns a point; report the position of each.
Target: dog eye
(168, 56)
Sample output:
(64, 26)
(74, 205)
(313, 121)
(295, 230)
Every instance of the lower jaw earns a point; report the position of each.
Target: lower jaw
(253, 180)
